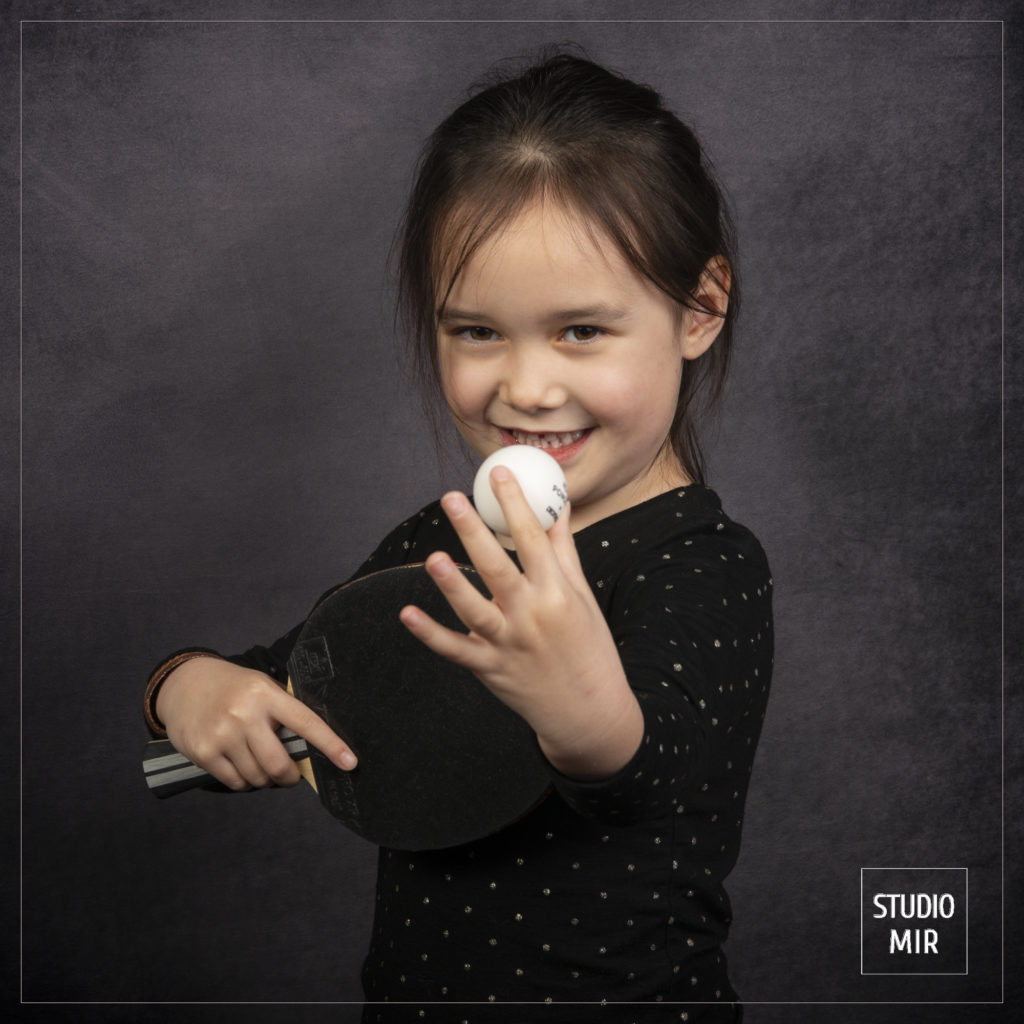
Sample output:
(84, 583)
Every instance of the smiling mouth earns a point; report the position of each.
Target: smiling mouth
(561, 445)
(547, 441)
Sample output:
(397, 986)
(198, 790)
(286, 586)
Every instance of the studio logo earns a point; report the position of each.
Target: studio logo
(913, 920)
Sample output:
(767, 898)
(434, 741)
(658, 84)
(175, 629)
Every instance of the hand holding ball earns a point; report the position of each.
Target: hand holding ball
(540, 478)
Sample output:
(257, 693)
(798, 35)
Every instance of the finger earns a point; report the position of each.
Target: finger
(226, 757)
(224, 771)
(457, 647)
(498, 571)
(291, 712)
(274, 760)
(475, 611)
(532, 545)
(237, 769)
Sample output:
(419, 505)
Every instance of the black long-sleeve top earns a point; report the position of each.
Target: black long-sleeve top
(608, 891)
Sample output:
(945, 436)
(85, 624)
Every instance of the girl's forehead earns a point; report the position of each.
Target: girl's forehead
(542, 233)
(546, 265)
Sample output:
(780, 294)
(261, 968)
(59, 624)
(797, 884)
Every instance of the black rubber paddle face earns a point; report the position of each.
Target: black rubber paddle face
(441, 760)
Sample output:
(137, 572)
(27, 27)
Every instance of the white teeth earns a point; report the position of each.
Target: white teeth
(547, 440)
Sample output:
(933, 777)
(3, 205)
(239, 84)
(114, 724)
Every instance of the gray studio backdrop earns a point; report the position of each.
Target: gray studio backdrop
(217, 427)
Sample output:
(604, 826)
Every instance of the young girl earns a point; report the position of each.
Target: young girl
(568, 277)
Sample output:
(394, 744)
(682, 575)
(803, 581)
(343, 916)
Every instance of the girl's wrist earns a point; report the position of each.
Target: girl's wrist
(603, 748)
(158, 677)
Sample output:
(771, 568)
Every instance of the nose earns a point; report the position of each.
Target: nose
(530, 379)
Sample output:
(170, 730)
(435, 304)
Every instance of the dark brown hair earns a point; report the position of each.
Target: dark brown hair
(604, 148)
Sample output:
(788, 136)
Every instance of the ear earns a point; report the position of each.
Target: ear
(704, 320)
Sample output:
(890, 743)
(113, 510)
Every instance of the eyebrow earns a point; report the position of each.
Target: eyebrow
(601, 313)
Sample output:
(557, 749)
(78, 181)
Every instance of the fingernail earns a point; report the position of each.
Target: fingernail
(500, 473)
(454, 504)
(347, 761)
(440, 567)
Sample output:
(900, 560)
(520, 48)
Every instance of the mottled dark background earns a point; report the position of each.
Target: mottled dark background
(214, 426)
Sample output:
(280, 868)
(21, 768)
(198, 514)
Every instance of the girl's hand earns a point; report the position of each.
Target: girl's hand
(224, 718)
(541, 645)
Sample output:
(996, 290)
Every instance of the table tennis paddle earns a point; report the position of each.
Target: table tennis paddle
(442, 761)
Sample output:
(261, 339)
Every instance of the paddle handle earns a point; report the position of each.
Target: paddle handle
(169, 772)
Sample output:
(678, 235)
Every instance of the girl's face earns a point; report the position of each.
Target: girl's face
(550, 338)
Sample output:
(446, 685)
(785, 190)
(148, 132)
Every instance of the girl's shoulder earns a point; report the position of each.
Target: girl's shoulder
(683, 533)
(412, 540)
(688, 515)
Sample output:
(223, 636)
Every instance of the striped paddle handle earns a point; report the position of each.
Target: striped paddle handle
(169, 772)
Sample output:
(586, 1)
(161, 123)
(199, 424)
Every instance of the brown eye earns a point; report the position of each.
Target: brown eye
(478, 333)
(581, 333)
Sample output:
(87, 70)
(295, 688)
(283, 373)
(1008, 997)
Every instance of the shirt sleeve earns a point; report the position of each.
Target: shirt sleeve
(693, 628)
(272, 659)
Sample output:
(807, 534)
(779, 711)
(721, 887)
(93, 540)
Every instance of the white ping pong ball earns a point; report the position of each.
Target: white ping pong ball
(540, 478)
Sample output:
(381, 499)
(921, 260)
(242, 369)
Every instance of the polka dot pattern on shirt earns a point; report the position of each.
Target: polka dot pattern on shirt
(607, 892)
